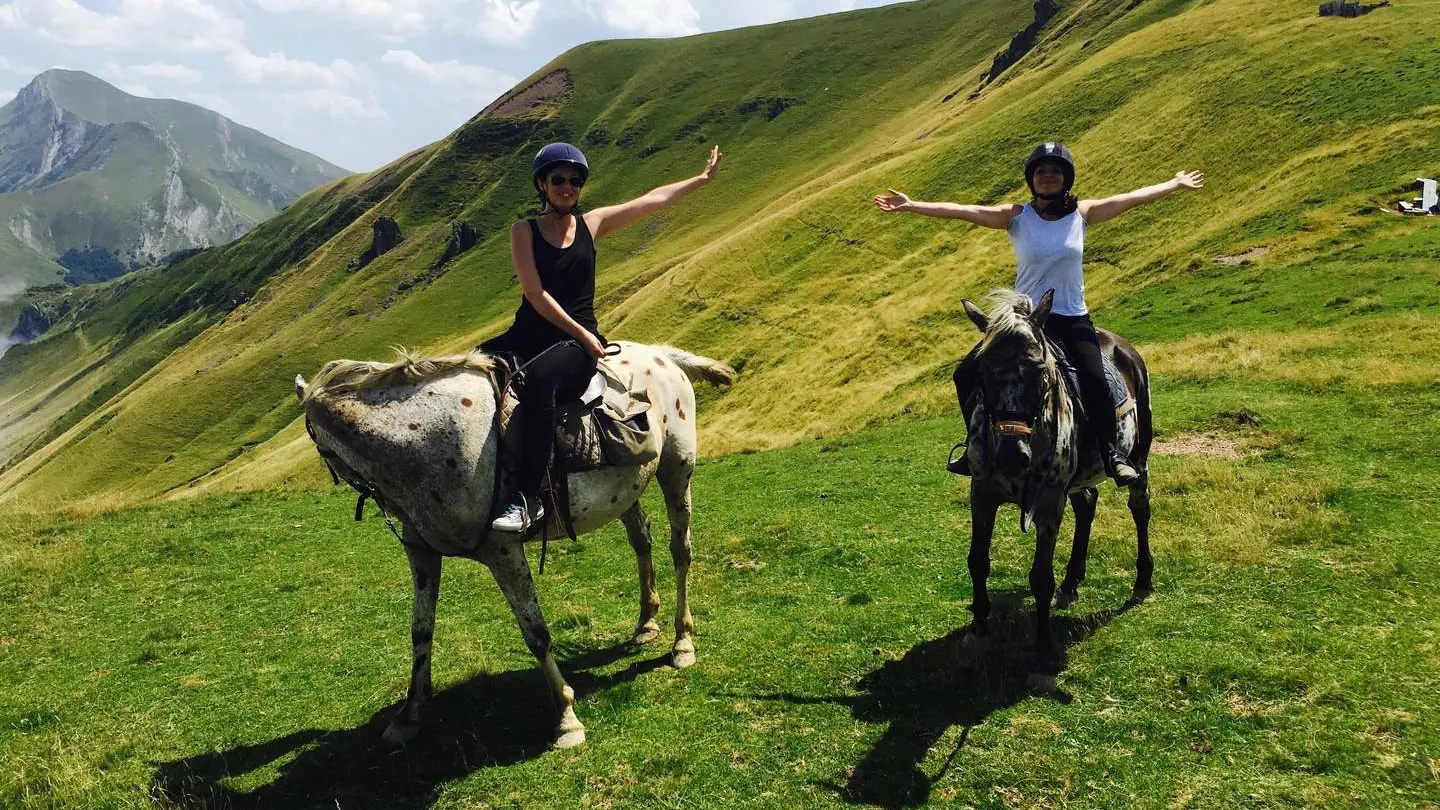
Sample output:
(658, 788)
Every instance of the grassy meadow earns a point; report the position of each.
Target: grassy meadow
(190, 619)
(246, 651)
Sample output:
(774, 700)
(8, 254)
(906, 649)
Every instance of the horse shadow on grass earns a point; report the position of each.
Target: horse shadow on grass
(947, 681)
(486, 721)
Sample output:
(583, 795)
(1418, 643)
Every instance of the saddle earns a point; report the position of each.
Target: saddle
(608, 425)
(1119, 394)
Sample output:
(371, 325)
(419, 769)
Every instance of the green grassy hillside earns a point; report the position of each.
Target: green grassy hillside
(838, 315)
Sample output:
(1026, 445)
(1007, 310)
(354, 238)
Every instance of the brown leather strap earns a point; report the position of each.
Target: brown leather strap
(1012, 429)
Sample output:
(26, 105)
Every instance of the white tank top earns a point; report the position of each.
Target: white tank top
(1049, 255)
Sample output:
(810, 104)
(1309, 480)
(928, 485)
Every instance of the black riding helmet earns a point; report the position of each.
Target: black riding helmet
(554, 155)
(1058, 153)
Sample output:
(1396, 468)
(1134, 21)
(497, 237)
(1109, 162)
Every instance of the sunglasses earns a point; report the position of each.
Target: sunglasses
(575, 181)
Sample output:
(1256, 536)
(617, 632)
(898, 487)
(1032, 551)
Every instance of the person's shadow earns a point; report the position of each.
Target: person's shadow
(486, 721)
(945, 682)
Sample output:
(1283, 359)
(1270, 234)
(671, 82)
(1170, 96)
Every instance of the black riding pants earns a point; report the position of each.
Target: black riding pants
(1077, 334)
(558, 374)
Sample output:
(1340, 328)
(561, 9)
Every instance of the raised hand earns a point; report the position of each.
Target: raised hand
(894, 201)
(1190, 179)
(713, 165)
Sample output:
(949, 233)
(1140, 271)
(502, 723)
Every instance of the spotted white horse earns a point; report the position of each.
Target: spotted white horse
(423, 435)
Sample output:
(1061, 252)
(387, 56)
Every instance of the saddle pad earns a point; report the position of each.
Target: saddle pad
(1119, 394)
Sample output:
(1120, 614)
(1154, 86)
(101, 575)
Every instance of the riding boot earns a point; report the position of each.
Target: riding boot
(964, 385)
(1118, 467)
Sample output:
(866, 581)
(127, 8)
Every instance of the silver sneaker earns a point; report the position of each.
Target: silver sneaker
(516, 518)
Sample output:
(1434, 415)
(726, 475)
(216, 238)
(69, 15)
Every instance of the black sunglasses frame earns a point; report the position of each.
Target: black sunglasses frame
(575, 180)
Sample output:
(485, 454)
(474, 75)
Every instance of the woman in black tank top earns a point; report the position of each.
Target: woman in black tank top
(555, 328)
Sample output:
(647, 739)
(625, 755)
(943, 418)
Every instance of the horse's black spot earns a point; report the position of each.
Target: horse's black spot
(624, 362)
(614, 498)
(466, 401)
(660, 361)
(682, 414)
(414, 425)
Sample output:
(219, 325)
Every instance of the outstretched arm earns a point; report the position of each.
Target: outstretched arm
(1097, 211)
(988, 216)
(612, 218)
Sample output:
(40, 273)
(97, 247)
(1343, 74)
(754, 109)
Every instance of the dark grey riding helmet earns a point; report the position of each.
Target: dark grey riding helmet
(1058, 153)
(556, 154)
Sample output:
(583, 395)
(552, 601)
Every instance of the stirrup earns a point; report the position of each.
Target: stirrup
(958, 465)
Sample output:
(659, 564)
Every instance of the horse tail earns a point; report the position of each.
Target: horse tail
(699, 368)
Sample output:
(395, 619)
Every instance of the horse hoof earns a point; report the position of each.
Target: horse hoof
(1041, 684)
(570, 739)
(1066, 599)
(398, 733)
(1140, 596)
(683, 655)
(645, 634)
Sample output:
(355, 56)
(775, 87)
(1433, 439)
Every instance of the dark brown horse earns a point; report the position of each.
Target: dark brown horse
(1029, 445)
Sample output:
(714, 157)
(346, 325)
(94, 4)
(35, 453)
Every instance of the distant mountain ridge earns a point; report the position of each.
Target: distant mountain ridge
(94, 181)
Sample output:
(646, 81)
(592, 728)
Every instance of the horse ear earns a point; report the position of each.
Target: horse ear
(1042, 309)
(976, 316)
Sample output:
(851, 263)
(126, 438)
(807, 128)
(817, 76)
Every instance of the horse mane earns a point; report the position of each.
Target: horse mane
(351, 376)
(1009, 313)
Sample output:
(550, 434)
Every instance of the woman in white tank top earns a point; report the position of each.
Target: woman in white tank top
(1048, 235)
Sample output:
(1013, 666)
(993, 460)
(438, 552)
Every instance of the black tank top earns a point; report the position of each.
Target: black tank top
(568, 274)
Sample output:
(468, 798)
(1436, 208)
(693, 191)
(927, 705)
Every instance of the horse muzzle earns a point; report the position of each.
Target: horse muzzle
(1012, 451)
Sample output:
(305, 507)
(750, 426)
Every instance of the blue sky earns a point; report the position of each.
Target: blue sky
(357, 82)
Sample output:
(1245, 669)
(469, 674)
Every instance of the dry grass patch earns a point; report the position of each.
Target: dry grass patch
(1237, 259)
(1208, 445)
(1395, 350)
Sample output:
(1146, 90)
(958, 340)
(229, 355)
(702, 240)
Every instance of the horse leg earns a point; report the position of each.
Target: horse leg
(637, 527)
(1144, 563)
(425, 573)
(982, 529)
(1042, 584)
(675, 484)
(1083, 502)
(505, 557)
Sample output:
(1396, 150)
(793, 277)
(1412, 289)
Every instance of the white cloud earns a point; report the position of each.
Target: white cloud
(174, 73)
(131, 79)
(397, 17)
(502, 20)
(188, 25)
(469, 83)
(341, 89)
(493, 20)
(659, 18)
(277, 67)
(761, 12)
(333, 103)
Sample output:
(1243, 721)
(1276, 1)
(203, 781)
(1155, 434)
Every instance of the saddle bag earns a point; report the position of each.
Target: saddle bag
(614, 431)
